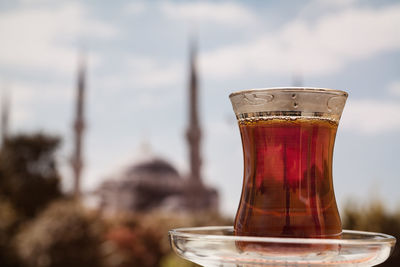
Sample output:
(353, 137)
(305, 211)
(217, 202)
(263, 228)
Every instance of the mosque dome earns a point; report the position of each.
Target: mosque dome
(156, 167)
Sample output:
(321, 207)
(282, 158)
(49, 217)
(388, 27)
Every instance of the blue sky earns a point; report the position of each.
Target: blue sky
(138, 74)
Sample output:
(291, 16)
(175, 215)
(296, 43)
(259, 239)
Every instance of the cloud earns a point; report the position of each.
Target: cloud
(153, 83)
(321, 6)
(322, 47)
(371, 117)
(26, 98)
(209, 12)
(144, 73)
(151, 73)
(135, 8)
(44, 38)
(394, 88)
(336, 3)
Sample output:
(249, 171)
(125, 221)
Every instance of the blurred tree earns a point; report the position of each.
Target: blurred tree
(64, 235)
(374, 218)
(137, 244)
(8, 226)
(28, 175)
(142, 239)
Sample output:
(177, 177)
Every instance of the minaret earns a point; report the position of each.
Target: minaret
(193, 133)
(5, 114)
(79, 126)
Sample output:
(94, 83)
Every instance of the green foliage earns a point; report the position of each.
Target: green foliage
(63, 235)
(137, 245)
(143, 238)
(375, 218)
(28, 173)
(172, 260)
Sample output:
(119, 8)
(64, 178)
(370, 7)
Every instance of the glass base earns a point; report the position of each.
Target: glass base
(218, 246)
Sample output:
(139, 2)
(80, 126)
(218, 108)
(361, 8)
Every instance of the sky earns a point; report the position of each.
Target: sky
(137, 56)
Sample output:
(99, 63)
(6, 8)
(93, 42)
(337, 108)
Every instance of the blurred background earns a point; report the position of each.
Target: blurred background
(114, 112)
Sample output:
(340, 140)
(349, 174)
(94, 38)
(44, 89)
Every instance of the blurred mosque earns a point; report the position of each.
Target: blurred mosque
(152, 183)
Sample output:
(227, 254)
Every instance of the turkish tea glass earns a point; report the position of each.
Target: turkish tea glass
(288, 136)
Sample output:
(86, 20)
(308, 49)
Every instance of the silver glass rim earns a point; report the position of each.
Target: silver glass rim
(293, 89)
(183, 232)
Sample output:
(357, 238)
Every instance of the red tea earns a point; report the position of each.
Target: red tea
(287, 187)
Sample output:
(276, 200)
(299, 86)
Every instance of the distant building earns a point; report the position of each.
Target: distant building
(144, 186)
(154, 184)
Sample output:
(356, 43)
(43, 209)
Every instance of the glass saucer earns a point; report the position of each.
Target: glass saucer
(218, 246)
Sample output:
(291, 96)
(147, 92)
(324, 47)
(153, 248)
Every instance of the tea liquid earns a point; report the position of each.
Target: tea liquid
(287, 186)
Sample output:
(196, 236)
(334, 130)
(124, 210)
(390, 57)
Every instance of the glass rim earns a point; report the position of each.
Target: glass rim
(374, 238)
(292, 89)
